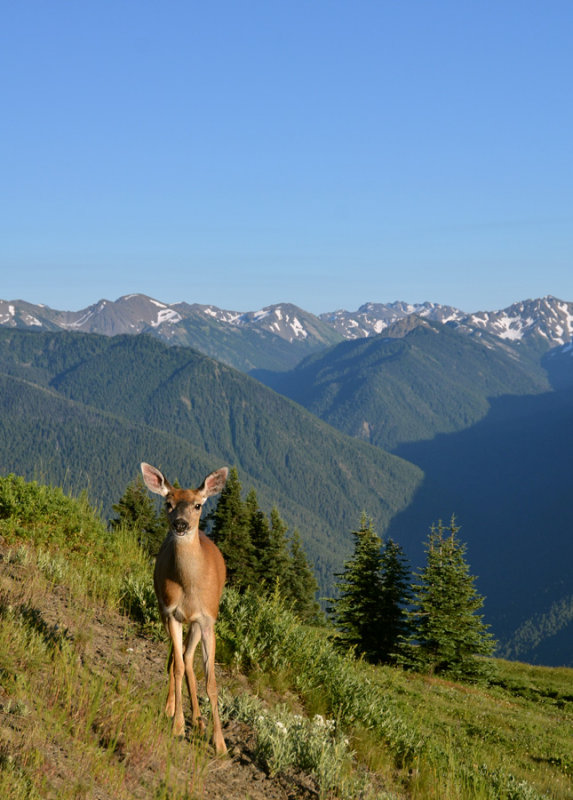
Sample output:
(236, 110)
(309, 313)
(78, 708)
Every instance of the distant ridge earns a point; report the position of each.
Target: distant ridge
(137, 313)
(547, 317)
(277, 337)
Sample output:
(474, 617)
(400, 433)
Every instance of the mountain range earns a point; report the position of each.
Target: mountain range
(279, 336)
(273, 338)
(409, 412)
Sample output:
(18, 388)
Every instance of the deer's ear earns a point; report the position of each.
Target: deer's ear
(215, 482)
(155, 480)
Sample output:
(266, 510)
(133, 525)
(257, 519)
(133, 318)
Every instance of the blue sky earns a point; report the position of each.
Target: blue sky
(324, 153)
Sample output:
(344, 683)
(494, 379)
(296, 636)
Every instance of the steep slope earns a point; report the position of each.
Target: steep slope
(83, 686)
(418, 379)
(45, 436)
(95, 407)
(558, 363)
(82, 690)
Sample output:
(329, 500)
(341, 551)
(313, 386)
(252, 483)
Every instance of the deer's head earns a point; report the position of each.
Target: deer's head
(183, 506)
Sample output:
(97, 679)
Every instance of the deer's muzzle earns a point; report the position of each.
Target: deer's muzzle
(180, 526)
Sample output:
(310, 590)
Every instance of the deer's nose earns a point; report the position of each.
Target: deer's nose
(180, 525)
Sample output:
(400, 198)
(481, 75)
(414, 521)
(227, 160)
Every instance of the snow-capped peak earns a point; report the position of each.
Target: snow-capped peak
(547, 318)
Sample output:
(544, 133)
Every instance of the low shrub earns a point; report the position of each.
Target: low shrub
(285, 740)
(137, 599)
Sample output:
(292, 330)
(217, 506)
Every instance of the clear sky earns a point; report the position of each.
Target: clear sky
(249, 152)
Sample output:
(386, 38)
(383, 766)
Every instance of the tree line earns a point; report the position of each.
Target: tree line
(429, 625)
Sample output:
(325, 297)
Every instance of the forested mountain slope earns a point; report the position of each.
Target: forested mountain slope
(416, 380)
(85, 410)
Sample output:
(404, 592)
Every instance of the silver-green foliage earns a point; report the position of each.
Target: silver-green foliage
(285, 740)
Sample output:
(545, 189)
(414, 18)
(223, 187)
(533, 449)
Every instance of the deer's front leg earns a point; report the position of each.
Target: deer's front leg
(176, 671)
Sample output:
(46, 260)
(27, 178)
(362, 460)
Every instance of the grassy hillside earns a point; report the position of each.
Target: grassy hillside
(408, 384)
(85, 410)
(82, 686)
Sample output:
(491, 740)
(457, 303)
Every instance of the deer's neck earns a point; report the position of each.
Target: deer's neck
(187, 551)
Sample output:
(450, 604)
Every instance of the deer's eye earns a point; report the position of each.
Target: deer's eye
(197, 506)
(169, 505)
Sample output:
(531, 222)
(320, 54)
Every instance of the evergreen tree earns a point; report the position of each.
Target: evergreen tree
(231, 534)
(447, 634)
(392, 617)
(260, 538)
(356, 609)
(137, 510)
(279, 556)
(301, 585)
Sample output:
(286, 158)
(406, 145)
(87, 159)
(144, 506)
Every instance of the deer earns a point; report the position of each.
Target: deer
(188, 578)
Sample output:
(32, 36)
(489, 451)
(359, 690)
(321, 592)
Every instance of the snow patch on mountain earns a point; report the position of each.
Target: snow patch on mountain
(166, 315)
(280, 320)
(7, 314)
(79, 322)
(298, 328)
(29, 319)
(258, 315)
